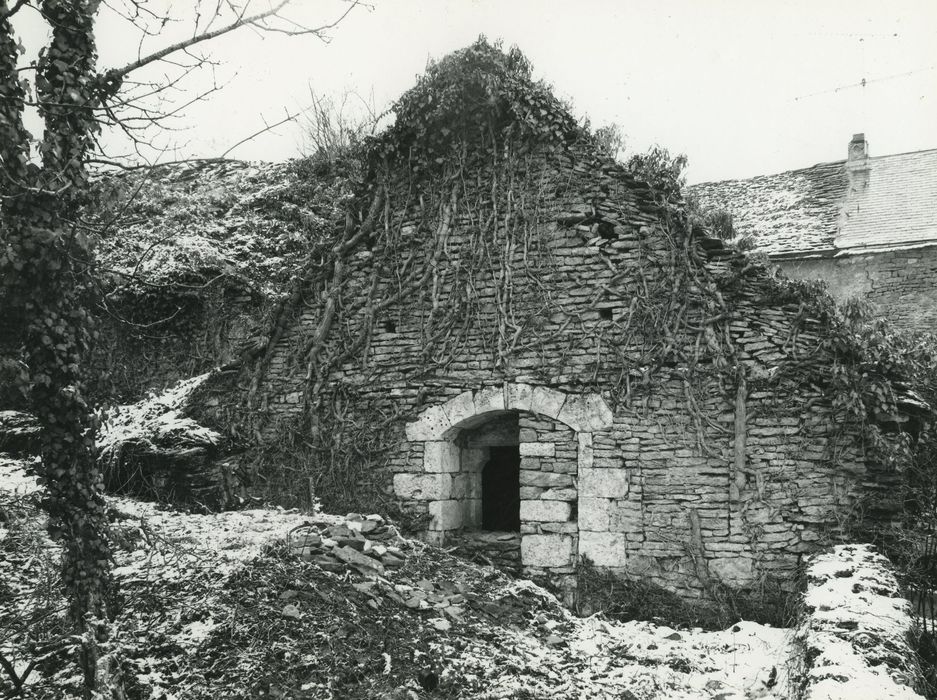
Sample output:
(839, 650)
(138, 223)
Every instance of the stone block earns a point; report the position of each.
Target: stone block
(605, 483)
(587, 413)
(531, 464)
(547, 402)
(461, 408)
(519, 397)
(465, 485)
(430, 425)
(545, 511)
(489, 399)
(572, 413)
(586, 453)
(642, 567)
(594, 514)
(735, 571)
(529, 477)
(537, 449)
(547, 550)
(440, 456)
(603, 548)
(422, 487)
(445, 515)
(559, 495)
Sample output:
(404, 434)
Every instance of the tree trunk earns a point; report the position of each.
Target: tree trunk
(45, 276)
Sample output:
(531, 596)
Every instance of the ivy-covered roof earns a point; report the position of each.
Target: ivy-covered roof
(190, 222)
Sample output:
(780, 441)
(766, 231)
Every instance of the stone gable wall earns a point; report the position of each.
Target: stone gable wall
(691, 482)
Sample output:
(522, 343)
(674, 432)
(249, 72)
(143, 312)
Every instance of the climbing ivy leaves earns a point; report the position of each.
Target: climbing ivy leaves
(474, 101)
(45, 263)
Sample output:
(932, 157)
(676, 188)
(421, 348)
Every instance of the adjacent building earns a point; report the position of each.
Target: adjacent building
(866, 225)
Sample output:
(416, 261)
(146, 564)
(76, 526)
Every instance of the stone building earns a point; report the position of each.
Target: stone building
(527, 354)
(866, 225)
(589, 379)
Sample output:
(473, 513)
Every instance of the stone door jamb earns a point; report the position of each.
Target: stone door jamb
(437, 425)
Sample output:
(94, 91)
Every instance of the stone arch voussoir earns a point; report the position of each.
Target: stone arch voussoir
(584, 413)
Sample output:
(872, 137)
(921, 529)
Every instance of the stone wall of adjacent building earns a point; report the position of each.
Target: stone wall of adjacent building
(901, 283)
(685, 478)
(153, 339)
(150, 338)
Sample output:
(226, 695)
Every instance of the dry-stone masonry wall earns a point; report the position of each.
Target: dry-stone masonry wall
(667, 422)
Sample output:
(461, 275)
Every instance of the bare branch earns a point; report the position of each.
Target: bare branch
(256, 20)
(267, 127)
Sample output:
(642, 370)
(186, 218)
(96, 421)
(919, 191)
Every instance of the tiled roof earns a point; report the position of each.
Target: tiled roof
(899, 205)
(822, 208)
(790, 212)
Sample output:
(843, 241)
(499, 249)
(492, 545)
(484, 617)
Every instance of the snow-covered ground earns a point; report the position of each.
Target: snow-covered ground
(227, 539)
(157, 416)
(553, 654)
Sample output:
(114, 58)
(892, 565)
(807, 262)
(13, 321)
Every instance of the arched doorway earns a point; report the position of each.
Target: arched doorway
(473, 434)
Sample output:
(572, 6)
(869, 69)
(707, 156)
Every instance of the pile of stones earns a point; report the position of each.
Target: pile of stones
(371, 547)
(366, 544)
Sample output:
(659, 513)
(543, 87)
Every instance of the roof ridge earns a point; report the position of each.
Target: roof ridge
(765, 175)
(809, 167)
(904, 153)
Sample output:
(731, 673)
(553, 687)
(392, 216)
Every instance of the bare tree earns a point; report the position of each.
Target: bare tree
(332, 125)
(45, 257)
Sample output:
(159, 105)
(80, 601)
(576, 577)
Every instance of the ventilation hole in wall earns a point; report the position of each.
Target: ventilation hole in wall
(605, 314)
(606, 230)
(574, 511)
(390, 327)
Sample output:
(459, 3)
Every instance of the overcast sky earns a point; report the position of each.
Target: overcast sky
(743, 87)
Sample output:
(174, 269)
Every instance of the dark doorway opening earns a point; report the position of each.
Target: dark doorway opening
(501, 492)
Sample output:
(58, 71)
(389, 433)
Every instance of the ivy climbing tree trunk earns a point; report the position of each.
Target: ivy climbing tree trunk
(45, 266)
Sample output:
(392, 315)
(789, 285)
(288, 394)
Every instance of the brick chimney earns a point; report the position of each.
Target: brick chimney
(857, 162)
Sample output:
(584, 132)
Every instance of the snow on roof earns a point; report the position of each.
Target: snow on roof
(790, 212)
(822, 208)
